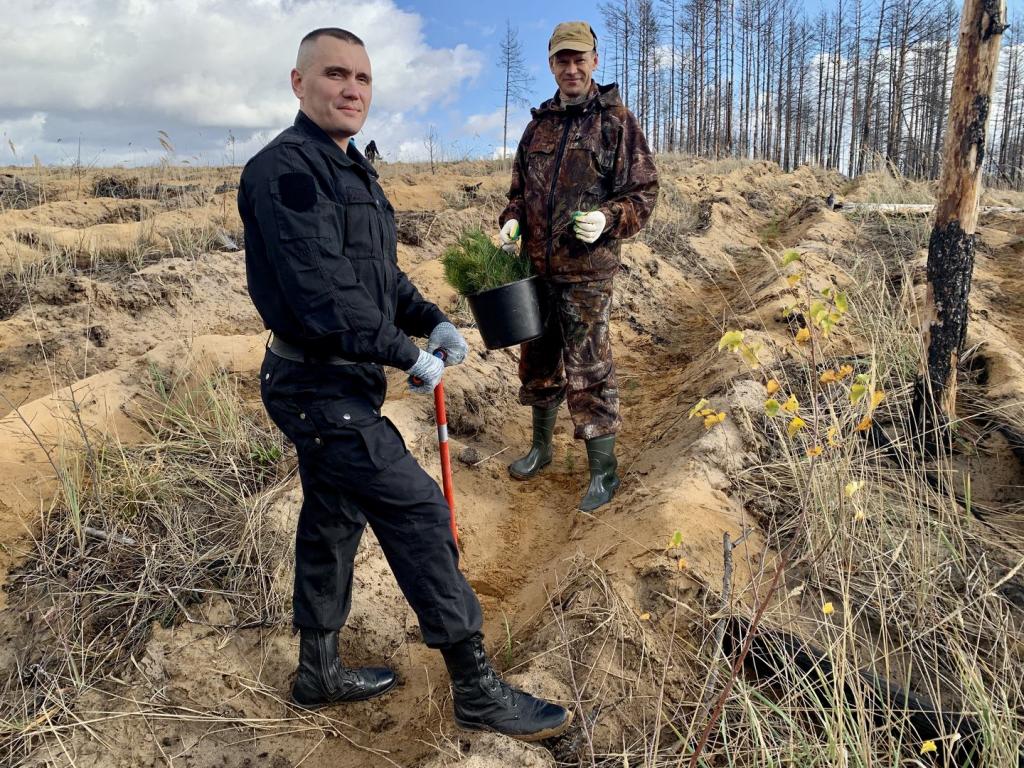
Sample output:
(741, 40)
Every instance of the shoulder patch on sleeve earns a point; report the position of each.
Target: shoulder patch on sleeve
(298, 191)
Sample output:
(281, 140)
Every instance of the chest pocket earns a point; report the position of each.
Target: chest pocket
(363, 230)
(300, 219)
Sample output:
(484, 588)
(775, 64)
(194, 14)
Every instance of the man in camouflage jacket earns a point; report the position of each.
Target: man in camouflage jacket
(583, 179)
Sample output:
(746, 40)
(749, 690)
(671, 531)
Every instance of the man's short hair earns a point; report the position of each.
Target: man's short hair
(336, 32)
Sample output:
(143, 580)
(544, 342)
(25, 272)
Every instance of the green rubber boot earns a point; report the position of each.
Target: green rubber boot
(539, 455)
(603, 479)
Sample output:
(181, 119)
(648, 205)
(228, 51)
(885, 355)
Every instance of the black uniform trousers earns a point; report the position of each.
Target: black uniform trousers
(355, 469)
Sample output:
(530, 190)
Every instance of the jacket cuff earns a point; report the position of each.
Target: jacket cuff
(611, 216)
(435, 318)
(407, 355)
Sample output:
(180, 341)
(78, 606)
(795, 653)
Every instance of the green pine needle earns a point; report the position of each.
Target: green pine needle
(475, 264)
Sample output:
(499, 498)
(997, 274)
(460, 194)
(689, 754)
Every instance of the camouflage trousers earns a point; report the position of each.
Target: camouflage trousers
(573, 359)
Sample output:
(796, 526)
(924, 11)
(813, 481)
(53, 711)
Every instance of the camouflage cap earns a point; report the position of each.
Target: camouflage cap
(572, 36)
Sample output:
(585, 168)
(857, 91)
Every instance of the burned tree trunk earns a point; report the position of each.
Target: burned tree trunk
(951, 248)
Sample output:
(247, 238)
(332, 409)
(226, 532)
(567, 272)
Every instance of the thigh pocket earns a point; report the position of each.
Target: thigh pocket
(371, 443)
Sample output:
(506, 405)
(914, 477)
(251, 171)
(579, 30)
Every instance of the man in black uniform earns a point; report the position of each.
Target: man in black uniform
(322, 269)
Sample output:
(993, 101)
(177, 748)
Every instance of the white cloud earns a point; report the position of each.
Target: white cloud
(486, 123)
(489, 125)
(201, 67)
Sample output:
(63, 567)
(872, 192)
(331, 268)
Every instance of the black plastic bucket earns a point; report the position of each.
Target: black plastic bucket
(509, 314)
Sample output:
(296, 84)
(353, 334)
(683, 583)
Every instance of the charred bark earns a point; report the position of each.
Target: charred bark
(951, 247)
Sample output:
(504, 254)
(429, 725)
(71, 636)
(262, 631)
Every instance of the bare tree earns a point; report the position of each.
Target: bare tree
(518, 79)
(435, 150)
(951, 248)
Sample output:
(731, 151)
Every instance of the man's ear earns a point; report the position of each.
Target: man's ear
(297, 85)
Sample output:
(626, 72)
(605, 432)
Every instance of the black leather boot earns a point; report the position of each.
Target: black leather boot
(603, 479)
(539, 455)
(483, 702)
(323, 680)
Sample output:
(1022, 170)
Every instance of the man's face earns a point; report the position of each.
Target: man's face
(334, 87)
(573, 70)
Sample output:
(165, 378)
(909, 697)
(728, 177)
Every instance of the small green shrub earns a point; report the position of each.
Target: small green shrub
(475, 264)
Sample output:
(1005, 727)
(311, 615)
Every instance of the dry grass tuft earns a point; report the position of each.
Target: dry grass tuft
(142, 534)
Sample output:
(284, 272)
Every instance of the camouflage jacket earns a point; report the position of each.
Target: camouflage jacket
(583, 157)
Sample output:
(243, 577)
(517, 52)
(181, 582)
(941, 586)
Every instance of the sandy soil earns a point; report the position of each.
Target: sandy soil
(76, 341)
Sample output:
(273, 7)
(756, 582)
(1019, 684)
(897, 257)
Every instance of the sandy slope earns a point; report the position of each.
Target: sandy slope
(522, 541)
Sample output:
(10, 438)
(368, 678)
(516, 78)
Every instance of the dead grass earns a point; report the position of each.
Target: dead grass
(142, 534)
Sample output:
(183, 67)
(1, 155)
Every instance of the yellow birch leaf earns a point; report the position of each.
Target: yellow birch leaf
(701, 405)
(713, 419)
(876, 397)
(829, 377)
(832, 432)
(815, 451)
(772, 386)
(852, 487)
(828, 609)
(803, 335)
(858, 516)
(792, 280)
(791, 406)
(929, 746)
(842, 303)
(645, 616)
(864, 425)
(681, 564)
(844, 371)
(795, 425)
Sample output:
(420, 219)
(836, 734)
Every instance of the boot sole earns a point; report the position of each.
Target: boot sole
(520, 476)
(353, 700)
(548, 733)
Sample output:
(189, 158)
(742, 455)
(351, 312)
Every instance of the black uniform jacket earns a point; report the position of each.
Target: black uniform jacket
(321, 252)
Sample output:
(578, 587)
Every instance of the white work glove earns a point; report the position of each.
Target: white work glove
(588, 226)
(428, 370)
(509, 236)
(447, 337)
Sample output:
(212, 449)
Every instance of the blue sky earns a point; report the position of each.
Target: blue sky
(107, 75)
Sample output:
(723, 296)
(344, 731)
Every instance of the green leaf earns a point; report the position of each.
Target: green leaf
(789, 257)
(857, 392)
(842, 303)
(749, 354)
(818, 311)
(730, 340)
(701, 405)
(772, 407)
(676, 541)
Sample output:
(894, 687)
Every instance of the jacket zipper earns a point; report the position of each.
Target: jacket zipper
(551, 194)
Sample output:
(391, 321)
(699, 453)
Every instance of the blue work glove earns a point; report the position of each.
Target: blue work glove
(428, 371)
(447, 337)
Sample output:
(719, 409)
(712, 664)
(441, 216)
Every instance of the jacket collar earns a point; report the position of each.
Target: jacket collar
(308, 128)
(600, 97)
